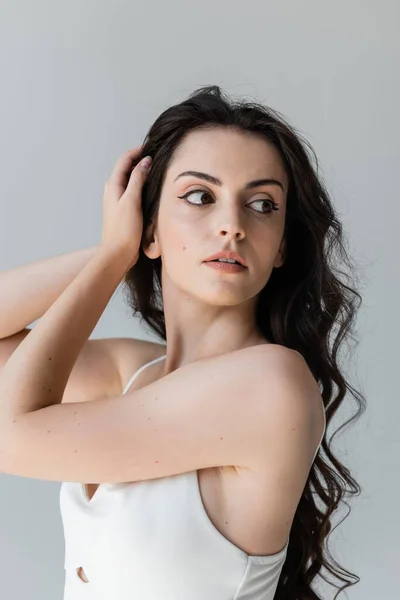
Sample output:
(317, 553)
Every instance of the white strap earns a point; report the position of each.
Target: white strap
(132, 379)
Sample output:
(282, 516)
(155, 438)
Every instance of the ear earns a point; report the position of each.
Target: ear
(281, 255)
(150, 243)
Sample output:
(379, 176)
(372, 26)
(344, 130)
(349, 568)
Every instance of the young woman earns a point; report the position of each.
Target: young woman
(189, 473)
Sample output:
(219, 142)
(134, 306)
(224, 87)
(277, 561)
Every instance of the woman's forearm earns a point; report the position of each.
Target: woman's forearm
(27, 291)
(36, 374)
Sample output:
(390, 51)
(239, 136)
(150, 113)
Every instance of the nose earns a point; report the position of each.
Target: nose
(231, 227)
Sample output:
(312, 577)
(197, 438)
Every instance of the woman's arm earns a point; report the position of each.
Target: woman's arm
(27, 291)
(37, 372)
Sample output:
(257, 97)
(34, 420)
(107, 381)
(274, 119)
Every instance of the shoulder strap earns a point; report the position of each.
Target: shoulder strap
(136, 373)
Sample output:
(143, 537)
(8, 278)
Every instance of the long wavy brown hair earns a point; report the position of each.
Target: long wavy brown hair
(308, 304)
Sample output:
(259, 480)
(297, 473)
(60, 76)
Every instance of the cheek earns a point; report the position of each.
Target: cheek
(179, 233)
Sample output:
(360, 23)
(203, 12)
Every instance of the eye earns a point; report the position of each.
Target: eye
(185, 196)
(273, 206)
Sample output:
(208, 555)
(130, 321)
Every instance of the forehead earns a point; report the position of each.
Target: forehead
(227, 153)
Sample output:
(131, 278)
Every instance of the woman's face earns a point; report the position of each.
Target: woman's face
(221, 216)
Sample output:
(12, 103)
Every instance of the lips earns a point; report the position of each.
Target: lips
(225, 261)
(227, 254)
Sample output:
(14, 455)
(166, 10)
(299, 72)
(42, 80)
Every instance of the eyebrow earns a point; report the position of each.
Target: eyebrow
(216, 181)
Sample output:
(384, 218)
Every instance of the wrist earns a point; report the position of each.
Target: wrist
(117, 254)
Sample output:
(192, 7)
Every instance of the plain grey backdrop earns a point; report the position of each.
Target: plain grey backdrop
(81, 82)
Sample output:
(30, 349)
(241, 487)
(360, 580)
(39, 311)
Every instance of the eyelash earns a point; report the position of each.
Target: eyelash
(273, 204)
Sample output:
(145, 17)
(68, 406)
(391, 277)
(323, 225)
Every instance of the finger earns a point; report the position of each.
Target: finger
(137, 177)
(122, 170)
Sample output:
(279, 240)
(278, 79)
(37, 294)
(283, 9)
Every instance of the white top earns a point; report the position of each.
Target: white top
(153, 540)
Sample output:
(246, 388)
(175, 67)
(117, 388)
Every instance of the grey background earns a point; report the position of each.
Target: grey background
(81, 82)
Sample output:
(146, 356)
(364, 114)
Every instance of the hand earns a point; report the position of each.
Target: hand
(122, 210)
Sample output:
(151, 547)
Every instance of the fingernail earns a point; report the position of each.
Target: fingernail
(146, 162)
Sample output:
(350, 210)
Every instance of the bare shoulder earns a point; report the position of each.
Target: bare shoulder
(129, 354)
(291, 367)
(285, 389)
(295, 398)
(105, 365)
(102, 368)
